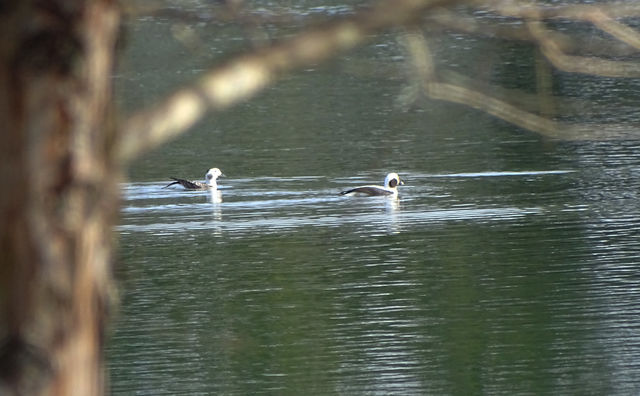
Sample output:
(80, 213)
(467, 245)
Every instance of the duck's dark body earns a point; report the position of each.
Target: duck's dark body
(390, 188)
(188, 184)
(210, 181)
(368, 190)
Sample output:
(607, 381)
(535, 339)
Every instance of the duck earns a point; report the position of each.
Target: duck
(390, 188)
(209, 181)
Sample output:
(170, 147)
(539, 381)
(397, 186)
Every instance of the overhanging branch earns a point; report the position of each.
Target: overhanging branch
(435, 88)
(243, 77)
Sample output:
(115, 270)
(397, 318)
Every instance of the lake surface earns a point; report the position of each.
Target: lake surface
(510, 264)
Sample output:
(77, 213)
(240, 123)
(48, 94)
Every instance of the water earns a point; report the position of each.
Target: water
(508, 265)
(284, 285)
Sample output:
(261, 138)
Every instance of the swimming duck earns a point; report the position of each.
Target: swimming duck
(390, 188)
(209, 181)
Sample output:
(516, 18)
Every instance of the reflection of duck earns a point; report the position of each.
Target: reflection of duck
(216, 201)
(209, 181)
(216, 196)
(390, 188)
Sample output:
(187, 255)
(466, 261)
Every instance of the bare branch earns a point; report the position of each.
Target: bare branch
(246, 75)
(600, 15)
(598, 46)
(434, 88)
(576, 12)
(580, 64)
(618, 30)
(424, 68)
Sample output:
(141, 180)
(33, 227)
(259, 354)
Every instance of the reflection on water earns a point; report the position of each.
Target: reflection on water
(216, 197)
(253, 206)
(458, 286)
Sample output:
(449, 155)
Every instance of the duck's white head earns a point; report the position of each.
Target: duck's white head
(392, 180)
(212, 175)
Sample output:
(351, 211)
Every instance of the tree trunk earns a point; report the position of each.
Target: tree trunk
(58, 193)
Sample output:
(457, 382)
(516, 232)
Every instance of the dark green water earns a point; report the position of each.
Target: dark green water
(508, 265)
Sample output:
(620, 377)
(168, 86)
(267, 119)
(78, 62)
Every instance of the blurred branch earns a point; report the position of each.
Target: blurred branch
(215, 12)
(556, 45)
(427, 78)
(447, 20)
(618, 30)
(580, 64)
(424, 70)
(600, 15)
(246, 75)
(576, 12)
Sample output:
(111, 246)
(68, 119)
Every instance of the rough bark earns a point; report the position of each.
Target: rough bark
(58, 194)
